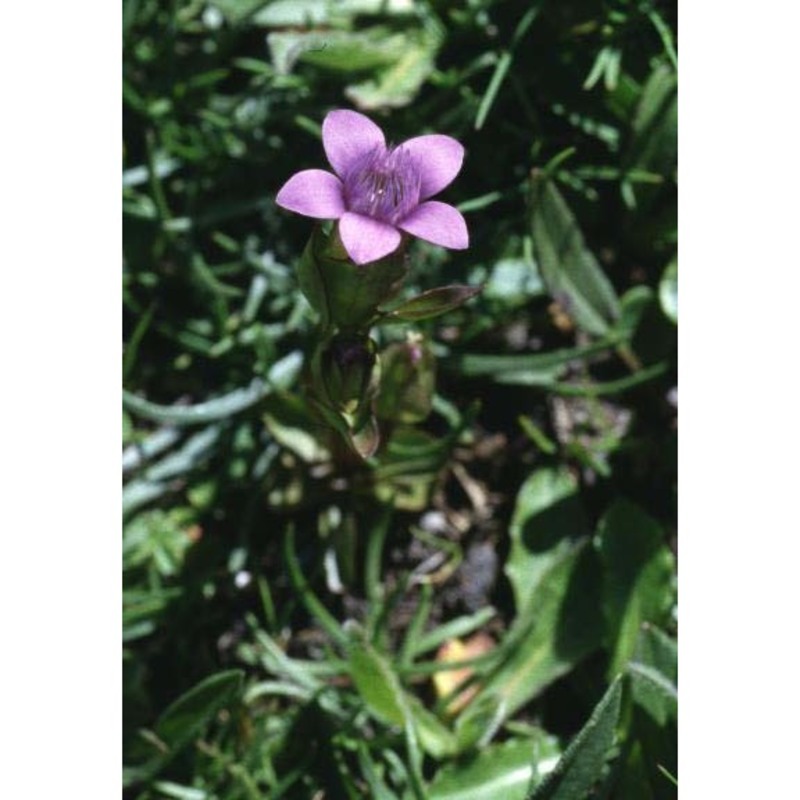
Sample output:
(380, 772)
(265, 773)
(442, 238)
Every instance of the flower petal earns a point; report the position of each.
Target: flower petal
(313, 193)
(346, 135)
(438, 159)
(438, 223)
(367, 239)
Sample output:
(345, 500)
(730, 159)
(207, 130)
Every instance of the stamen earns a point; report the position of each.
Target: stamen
(383, 184)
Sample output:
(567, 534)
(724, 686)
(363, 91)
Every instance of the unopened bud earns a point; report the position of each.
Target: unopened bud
(347, 367)
(408, 381)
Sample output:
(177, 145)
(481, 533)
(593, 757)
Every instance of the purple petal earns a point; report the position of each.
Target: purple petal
(313, 193)
(367, 239)
(438, 159)
(438, 223)
(346, 136)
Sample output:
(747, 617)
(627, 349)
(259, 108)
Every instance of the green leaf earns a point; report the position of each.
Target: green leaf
(435, 738)
(397, 85)
(407, 383)
(654, 674)
(237, 11)
(184, 720)
(528, 368)
(456, 628)
(191, 712)
(513, 282)
(504, 64)
(338, 51)
(583, 761)
(279, 13)
(141, 610)
(434, 302)
(560, 625)
(504, 770)
(633, 306)
(377, 684)
(654, 143)
(157, 540)
(209, 411)
(478, 723)
(303, 589)
(381, 691)
(290, 420)
(291, 13)
(548, 519)
(638, 577)
(179, 792)
(537, 435)
(281, 375)
(668, 290)
(569, 269)
(593, 389)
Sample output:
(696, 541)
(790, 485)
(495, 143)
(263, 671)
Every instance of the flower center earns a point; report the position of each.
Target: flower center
(383, 184)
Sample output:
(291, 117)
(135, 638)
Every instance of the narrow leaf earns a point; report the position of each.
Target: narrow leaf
(654, 674)
(569, 269)
(638, 573)
(183, 721)
(544, 367)
(381, 691)
(209, 411)
(435, 302)
(583, 761)
(377, 684)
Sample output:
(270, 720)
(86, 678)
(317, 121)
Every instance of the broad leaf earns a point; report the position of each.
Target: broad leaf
(638, 577)
(559, 626)
(548, 519)
(339, 51)
(397, 85)
(504, 770)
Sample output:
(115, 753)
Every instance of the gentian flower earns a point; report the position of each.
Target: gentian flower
(379, 192)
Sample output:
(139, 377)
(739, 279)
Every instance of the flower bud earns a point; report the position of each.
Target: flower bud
(347, 371)
(408, 381)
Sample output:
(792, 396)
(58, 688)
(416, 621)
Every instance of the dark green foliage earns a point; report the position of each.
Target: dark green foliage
(285, 598)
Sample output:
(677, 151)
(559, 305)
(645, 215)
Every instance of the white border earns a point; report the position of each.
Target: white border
(60, 586)
(739, 479)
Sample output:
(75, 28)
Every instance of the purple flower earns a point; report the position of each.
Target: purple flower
(379, 191)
